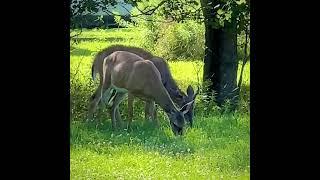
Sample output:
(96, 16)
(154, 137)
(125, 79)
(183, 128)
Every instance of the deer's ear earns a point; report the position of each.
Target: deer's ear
(178, 94)
(186, 107)
(190, 91)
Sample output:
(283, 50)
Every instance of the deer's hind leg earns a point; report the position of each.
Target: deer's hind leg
(147, 114)
(154, 114)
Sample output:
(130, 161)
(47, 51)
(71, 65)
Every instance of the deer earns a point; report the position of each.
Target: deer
(125, 72)
(177, 95)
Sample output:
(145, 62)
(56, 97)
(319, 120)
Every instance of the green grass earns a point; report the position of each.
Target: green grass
(216, 148)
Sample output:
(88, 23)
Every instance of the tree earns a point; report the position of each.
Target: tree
(221, 61)
(224, 20)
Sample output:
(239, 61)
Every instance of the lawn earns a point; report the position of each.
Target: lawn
(216, 148)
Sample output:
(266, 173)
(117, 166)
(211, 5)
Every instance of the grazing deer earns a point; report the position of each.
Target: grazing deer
(178, 97)
(126, 72)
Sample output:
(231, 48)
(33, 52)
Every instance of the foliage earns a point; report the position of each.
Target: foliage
(168, 28)
(165, 38)
(217, 13)
(181, 41)
(161, 34)
(241, 45)
(173, 40)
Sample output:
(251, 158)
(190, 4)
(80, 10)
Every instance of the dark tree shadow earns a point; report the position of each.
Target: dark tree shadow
(142, 134)
(111, 39)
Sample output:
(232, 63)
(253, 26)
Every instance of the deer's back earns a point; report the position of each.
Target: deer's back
(120, 65)
(130, 71)
(145, 80)
(98, 60)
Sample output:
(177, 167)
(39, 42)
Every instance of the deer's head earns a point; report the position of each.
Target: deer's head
(186, 99)
(190, 99)
(177, 118)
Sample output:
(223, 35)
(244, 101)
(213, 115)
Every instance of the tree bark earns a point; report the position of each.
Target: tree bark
(221, 62)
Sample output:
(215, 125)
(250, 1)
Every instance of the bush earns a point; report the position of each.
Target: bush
(170, 40)
(181, 41)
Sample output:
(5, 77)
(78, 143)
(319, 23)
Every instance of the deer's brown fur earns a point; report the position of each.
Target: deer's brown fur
(178, 96)
(126, 72)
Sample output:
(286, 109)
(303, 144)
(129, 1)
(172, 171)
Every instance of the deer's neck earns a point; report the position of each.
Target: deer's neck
(165, 102)
(170, 84)
(175, 92)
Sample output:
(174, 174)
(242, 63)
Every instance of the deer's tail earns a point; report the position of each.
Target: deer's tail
(93, 72)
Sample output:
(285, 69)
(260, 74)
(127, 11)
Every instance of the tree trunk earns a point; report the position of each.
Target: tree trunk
(221, 62)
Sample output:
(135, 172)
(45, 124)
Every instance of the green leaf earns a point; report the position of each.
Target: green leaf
(220, 11)
(241, 2)
(228, 16)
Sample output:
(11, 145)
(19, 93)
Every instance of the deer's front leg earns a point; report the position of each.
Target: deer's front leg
(150, 112)
(147, 114)
(154, 113)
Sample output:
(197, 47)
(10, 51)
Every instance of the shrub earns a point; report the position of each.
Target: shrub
(181, 41)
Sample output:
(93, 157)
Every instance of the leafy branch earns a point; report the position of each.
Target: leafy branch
(246, 57)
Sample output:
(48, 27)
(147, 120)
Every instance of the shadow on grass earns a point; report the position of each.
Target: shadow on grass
(142, 134)
(209, 133)
(106, 39)
(80, 52)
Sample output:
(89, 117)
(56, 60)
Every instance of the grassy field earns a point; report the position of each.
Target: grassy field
(216, 148)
